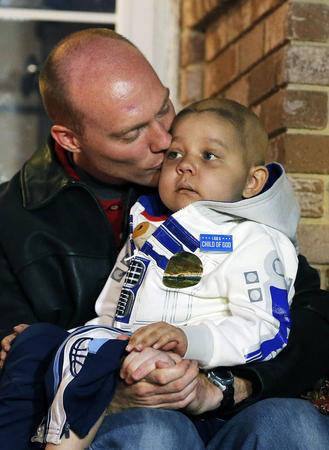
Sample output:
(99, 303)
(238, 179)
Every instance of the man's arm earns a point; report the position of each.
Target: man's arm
(305, 359)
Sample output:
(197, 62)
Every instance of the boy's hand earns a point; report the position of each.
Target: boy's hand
(137, 365)
(159, 335)
(7, 341)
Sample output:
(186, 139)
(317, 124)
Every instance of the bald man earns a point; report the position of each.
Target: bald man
(63, 219)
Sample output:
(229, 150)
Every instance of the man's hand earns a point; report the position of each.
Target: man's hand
(159, 335)
(138, 365)
(171, 387)
(208, 397)
(7, 341)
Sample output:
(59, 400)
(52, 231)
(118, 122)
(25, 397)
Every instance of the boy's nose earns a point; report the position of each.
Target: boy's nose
(186, 165)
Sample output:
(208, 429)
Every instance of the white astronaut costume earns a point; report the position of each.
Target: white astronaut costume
(231, 267)
(237, 308)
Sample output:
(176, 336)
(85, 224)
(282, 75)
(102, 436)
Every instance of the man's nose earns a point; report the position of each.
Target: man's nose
(160, 137)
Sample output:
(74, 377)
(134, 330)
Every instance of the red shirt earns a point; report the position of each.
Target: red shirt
(112, 208)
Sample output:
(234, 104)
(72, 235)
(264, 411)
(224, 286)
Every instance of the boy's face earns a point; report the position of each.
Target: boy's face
(204, 162)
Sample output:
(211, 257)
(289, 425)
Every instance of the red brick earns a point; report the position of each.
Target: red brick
(251, 47)
(262, 7)
(276, 149)
(216, 37)
(192, 47)
(267, 76)
(187, 13)
(191, 83)
(310, 194)
(308, 64)
(236, 22)
(295, 109)
(221, 71)
(314, 242)
(194, 11)
(305, 109)
(276, 28)
(247, 14)
(304, 153)
(239, 91)
(309, 22)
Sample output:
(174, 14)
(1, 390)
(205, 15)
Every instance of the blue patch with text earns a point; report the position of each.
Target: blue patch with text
(222, 243)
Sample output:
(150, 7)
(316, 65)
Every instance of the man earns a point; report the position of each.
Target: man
(62, 219)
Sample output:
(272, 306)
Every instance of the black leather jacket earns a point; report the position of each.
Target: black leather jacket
(57, 249)
(56, 246)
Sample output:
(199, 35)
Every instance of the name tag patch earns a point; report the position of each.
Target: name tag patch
(221, 243)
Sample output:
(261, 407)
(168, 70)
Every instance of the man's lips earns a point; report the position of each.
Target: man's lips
(157, 167)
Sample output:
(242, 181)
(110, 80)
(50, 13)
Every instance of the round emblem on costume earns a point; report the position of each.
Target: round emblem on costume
(183, 270)
(142, 232)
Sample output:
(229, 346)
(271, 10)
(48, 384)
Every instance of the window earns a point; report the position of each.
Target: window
(28, 31)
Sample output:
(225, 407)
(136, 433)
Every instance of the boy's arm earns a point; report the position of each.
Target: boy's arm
(255, 281)
(159, 335)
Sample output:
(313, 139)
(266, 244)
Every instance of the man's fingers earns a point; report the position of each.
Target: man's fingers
(148, 356)
(20, 328)
(173, 400)
(184, 370)
(144, 369)
(3, 356)
(6, 342)
(5, 347)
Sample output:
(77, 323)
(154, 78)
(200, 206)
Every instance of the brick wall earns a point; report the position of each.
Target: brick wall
(273, 56)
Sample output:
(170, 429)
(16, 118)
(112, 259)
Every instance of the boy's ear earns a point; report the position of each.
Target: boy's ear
(256, 180)
(66, 138)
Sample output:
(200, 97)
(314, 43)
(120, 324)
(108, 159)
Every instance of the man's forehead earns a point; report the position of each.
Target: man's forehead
(133, 114)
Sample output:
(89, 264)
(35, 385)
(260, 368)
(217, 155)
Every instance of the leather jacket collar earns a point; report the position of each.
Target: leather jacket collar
(42, 177)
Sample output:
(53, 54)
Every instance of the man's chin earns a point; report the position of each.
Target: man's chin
(149, 179)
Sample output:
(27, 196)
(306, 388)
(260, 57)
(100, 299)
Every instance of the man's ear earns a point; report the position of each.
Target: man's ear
(256, 180)
(66, 138)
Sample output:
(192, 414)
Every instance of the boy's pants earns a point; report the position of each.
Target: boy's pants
(22, 389)
(25, 396)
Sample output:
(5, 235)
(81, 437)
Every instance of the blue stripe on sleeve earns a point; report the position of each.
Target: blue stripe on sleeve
(280, 310)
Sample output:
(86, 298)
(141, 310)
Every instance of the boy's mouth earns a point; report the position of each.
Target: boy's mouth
(184, 188)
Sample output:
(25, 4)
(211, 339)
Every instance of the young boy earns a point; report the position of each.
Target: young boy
(211, 264)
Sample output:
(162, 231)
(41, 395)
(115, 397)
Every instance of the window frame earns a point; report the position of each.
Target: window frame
(159, 40)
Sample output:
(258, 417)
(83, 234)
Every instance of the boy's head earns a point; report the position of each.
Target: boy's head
(217, 153)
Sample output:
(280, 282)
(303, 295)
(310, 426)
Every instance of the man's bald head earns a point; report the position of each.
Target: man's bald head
(70, 76)
(253, 137)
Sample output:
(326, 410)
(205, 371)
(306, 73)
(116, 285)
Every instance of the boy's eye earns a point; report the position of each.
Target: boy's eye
(208, 156)
(173, 154)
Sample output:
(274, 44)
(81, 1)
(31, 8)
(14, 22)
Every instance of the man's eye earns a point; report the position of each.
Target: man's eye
(208, 156)
(172, 154)
(131, 136)
(164, 110)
